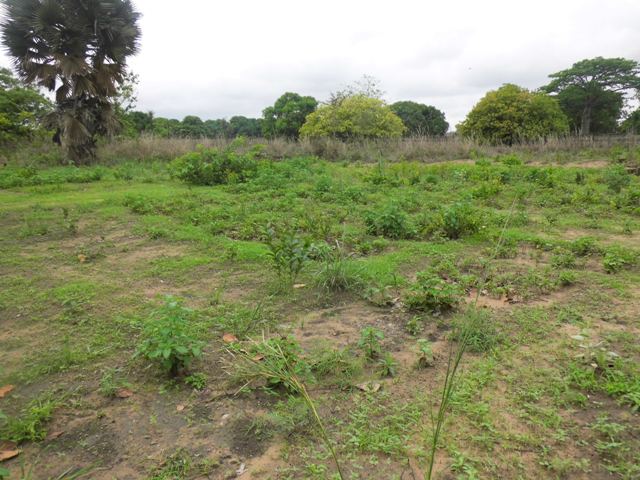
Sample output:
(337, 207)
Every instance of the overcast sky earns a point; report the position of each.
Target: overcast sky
(222, 58)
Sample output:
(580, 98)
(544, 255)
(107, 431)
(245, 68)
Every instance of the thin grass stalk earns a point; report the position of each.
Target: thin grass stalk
(454, 360)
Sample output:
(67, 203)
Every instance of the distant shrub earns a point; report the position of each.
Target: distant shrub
(389, 221)
(432, 293)
(563, 259)
(212, 166)
(616, 178)
(288, 252)
(584, 246)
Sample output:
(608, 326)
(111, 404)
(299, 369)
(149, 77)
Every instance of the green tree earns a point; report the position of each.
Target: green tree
(246, 127)
(356, 116)
(605, 111)
(166, 127)
(287, 115)
(513, 114)
(77, 49)
(219, 128)
(632, 123)
(192, 126)
(22, 109)
(420, 119)
(588, 79)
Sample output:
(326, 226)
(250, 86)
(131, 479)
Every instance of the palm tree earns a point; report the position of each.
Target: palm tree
(77, 49)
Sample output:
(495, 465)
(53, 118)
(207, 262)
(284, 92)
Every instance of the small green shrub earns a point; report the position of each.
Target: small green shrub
(616, 178)
(31, 424)
(210, 166)
(197, 380)
(617, 258)
(425, 354)
(458, 220)
(387, 366)
(167, 337)
(288, 253)
(566, 278)
(563, 259)
(432, 293)
(584, 246)
(389, 221)
(370, 338)
(414, 325)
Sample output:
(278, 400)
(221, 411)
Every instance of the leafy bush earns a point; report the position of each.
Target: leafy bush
(167, 337)
(387, 366)
(370, 338)
(288, 252)
(355, 116)
(584, 246)
(513, 114)
(210, 166)
(31, 424)
(563, 259)
(458, 220)
(616, 178)
(432, 293)
(389, 221)
(617, 258)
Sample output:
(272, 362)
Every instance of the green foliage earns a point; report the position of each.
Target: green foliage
(353, 117)
(83, 66)
(387, 366)
(110, 382)
(338, 273)
(420, 119)
(389, 221)
(617, 258)
(31, 424)
(616, 178)
(370, 338)
(168, 339)
(432, 293)
(22, 109)
(591, 90)
(425, 354)
(513, 114)
(632, 123)
(210, 166)
(563, 259)
(287, 115)
(584, 246)
(458, 220)
(477, 330)
(197, 380)
(288, 252)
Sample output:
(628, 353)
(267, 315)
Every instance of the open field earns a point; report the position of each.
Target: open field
(393, 258)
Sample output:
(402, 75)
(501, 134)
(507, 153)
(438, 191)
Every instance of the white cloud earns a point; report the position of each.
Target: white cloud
(218, 59)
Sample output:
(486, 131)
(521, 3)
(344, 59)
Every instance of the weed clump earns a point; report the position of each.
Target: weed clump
(211, 166)
(432, 293)
(390, 222)
(168, 339)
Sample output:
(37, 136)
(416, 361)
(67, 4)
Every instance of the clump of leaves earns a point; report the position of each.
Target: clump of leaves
(110, 382)
(458, 220)
(389, 221)
(617, 258)
(584, 246)
(425, 353)
(168, 338)
(197, 380)
(616, 177)
(432, 293)
(563, 259)
(387, 366)
(414, 325)
(288, 252)
(370, 338)
(31, 424)
(211, 166)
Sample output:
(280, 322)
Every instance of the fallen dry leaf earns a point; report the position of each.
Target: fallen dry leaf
(299, 285)
(229, 338)
(7, 454)
(82, 258)
(369, 387)
(54, 435)
(179, 408)
(6, 389)
(124, 393)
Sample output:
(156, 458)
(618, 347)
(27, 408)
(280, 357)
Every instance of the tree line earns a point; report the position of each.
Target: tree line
(77, 50)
